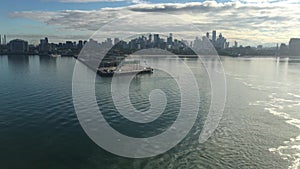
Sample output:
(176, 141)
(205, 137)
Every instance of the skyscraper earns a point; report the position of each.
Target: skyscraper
(156, 40)
(207, 35)
(221, 42)
(116, 41)
(80, 44)
(150, 38)
(170, 39)
(214, 36)
(109, 41)
(4, 40)
(235, 44)
(44, 46)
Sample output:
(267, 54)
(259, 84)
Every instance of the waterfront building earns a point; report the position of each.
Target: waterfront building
(283, 50)
(44, 45)
(32, 49)
(18, 46)
(294, 47)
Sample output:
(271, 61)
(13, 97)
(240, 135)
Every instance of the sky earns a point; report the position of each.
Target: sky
(250, 22)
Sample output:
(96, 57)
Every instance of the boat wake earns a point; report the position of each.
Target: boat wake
(279, 106)
(285, 106)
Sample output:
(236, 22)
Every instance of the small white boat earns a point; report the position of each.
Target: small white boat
(55, 55)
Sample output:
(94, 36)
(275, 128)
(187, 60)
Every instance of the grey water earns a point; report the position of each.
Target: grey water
(259, 128)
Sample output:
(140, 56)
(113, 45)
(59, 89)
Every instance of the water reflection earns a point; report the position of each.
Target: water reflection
(18, 63)
(48, 63)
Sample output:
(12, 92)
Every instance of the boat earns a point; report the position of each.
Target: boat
(55, 55)
(125, 68)
(109, 73)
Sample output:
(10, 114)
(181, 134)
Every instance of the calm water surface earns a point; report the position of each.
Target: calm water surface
(259, 128)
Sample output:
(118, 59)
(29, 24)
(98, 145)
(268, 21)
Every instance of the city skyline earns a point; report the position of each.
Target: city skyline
(209, 35)
(219, 42)
(265, 22)
(214, 37)
(207, 44)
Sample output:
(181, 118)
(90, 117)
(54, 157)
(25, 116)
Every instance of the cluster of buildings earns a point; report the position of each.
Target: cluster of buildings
(19, 46)
(68, 48)
(121, 47)
(153, 41)
(292, 49)
(219, 42)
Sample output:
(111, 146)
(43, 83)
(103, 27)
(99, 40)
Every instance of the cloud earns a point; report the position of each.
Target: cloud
(268, 1)
(88, 1)
(252, 22)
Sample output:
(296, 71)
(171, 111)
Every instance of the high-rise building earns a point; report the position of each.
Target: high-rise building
(80, 44)
(170, 39)
(227, 45)
(4, 40)
(294, 46)
(109, 41)
(150, 38)
(221, 42)
(44, 45)
(207, 35)
(197, 43)
(214, 36)
(18, 46)
(116, 41)
(156, 40)
(69, 45)
(236, 44)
